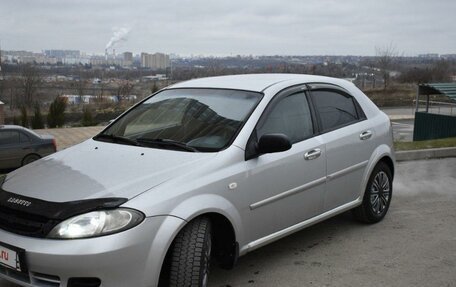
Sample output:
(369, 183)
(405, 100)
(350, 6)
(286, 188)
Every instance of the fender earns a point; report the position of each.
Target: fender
(210, 203)
(167, 229)
(380, 152)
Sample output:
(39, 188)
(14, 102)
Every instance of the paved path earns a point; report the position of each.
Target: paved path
(67, 137)
(403, 130)
(399, 113)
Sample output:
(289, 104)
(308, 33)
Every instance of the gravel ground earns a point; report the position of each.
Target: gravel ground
(415, 245)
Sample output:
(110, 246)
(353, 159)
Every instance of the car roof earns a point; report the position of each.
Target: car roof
(251, 82)
(12, 127)
(16, 128)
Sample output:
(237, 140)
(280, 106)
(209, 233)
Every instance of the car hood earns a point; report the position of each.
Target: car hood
(95, 169)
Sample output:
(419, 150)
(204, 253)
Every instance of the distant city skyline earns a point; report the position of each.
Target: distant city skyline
(216, 28)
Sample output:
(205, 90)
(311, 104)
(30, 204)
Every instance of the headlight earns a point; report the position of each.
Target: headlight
(97, 223)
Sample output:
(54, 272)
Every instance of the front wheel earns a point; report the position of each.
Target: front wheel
(377, 197)
(191, 254)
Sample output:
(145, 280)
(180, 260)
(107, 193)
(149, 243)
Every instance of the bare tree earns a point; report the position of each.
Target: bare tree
(31, 79)
(124, 89)
(385, 61)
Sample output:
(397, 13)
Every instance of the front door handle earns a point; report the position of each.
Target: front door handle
(365, 135)
(313, 154)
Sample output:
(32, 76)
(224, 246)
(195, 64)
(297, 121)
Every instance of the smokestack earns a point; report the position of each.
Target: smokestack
(106, 54)
(114, 53)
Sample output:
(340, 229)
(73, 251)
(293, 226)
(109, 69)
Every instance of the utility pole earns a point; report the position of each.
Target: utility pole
(1, 73)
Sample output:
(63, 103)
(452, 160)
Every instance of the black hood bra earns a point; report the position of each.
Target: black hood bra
(35, 217)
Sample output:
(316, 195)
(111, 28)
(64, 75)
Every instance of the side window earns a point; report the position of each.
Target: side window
(24, 138)
(290, 116)
(335, 109)
(9, 137)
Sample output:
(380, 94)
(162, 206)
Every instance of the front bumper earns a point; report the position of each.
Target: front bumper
(130, 258)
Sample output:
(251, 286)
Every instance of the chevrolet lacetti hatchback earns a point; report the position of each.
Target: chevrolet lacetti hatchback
(201, 172)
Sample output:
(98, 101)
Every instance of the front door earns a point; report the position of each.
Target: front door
(284, 188)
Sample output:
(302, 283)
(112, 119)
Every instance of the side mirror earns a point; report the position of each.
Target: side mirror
(271, 143)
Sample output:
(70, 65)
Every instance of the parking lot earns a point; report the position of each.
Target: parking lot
(414, 246)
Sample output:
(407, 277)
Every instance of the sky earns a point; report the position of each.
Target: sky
(220, 28)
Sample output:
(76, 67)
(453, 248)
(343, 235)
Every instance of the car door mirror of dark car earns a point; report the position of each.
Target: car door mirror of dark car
(271, 143)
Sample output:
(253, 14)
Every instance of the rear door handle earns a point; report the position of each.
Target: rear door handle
(313, 154)
(365, 135)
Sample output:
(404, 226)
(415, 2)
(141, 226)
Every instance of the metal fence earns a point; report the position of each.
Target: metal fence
(433, 126)
(436, 107)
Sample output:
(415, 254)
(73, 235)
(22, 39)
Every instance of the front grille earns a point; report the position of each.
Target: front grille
(23, 223)
(23, 277)
(36, 279)
(45, 280)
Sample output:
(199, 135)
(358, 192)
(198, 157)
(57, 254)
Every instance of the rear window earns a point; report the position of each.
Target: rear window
(335, 109)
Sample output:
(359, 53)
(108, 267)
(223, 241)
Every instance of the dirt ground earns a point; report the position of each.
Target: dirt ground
(415, 245)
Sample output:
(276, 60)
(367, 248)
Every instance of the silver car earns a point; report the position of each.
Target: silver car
(201, 172)
(20, 146)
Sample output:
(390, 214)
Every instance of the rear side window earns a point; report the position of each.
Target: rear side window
(9, 137)
(24, 138)
(291, 116)
(335, 109)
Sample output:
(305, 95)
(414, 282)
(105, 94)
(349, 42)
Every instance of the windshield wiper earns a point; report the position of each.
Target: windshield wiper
(167, 142)
(116, 139)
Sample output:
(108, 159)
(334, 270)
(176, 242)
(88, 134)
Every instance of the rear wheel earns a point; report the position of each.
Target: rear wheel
(30, 158)
(377, 196)
(191, 254)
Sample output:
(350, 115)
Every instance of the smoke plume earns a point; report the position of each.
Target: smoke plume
(119, 35)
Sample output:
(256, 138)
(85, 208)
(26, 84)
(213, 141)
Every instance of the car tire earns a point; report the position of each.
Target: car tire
(30, 158)
(191, 253)
(377, 196)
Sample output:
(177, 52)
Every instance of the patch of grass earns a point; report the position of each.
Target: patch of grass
(448, 142)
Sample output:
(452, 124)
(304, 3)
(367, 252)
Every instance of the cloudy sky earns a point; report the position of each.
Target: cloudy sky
(219, 27)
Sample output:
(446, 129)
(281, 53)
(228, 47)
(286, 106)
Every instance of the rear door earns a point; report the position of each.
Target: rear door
(348, 137)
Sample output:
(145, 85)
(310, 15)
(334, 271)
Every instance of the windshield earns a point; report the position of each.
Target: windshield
(185, 119)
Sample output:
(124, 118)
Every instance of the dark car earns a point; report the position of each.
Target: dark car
(20, 146)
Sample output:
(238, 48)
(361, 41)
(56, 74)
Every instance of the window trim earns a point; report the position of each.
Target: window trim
(361, 116)
(250, 152)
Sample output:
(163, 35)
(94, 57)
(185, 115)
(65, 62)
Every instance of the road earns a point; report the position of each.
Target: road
(415, 245)
(403, 130)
